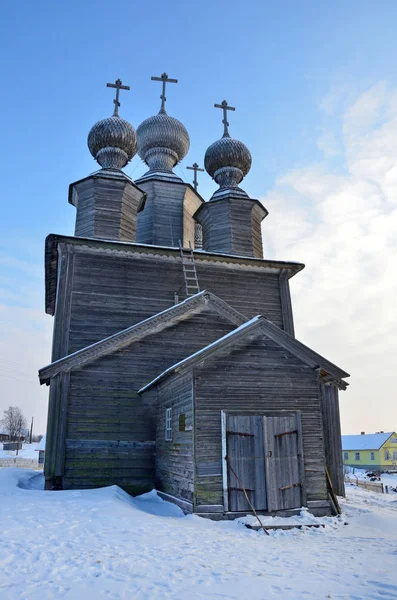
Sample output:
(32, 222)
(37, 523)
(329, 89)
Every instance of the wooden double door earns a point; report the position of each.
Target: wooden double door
(264, 461)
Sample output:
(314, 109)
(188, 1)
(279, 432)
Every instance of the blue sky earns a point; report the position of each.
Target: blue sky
(311, 81)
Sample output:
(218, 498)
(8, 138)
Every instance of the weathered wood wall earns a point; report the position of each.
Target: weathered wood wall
(111, 292)
(167, 216)
(101, 292)
(256, 378)
(111, 431)
(232, 225)
(174, 459)
(333, 437)
(106, 208)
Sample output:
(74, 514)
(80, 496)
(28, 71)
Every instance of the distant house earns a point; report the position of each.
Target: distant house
(375, 451)
(4, 436)
(41, 450)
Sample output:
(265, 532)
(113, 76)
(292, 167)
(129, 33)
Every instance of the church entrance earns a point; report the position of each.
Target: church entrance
(263, 461)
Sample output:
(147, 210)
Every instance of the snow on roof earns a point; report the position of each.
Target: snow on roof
(367, 441)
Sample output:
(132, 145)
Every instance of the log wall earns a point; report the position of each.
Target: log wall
(257, 378)
(174, 458)
(111, 431)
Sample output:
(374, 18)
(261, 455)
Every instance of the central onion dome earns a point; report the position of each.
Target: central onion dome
(162, 142)
(112, 142)
(227, 160)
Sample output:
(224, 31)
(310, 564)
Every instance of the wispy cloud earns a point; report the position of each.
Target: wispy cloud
(343, 225)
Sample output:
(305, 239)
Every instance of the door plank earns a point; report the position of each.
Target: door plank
(283, 462)
(244, 437)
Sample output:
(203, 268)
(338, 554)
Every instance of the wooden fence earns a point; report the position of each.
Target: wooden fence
(24, 463)
(370, 486)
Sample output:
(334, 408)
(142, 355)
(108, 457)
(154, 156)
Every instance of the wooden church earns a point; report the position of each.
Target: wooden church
(174, 360)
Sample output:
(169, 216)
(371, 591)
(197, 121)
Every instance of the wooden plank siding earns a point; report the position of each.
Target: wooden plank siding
(56, 430)
(106, 208)
(108, 296)
(257, 378)
(103, 291)
(232, 225)
(111, 430)
(61, 333)
(332, 436)
(174, 458)
(286, 304)
(167, 216)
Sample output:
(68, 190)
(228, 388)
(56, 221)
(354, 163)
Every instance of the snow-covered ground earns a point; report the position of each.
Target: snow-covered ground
(102, 544)
(27, 451)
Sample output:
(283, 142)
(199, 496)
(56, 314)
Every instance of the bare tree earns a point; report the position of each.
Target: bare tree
(14, 422)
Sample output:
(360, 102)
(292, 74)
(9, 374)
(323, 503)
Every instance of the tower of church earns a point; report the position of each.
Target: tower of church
(231, 221)
(121, 317)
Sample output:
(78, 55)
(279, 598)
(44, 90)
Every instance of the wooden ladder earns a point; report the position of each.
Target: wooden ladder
(189, 270)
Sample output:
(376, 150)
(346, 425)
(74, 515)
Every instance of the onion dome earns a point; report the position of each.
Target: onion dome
(162, 142)
(227, 160)
(112, 142)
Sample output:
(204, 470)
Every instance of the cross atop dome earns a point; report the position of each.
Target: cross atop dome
(225, 107)
(164, 79)
(118, 84)
(112, 141)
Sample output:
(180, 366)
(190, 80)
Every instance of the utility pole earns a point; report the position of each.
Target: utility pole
(31, 430)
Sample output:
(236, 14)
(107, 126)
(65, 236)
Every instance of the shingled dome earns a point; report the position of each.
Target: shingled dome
(227, 161)
(112, 142)
(162, 142)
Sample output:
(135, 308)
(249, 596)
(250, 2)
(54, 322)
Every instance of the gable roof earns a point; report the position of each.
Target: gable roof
(191, 306)
(328, 371)
(367, 441)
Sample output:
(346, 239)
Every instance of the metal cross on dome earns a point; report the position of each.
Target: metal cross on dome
(195, 168)
(165, 79)
(225, 107)
(118, 85)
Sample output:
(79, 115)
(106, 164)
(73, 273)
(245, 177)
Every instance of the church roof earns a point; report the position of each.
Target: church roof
(51, 259)
(193, 305)
(260, 325)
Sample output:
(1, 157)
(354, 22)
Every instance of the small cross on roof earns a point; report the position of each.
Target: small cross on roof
(195, 168)
(225, 107)
(165, 79)
(118, 84)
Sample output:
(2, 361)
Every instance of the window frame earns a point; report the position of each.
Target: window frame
(168, 424)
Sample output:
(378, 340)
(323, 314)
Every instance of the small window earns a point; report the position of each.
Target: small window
(168, 424)
(372, 455)
(182, 422)
(387, 455)
(346, 456)
(357, 456)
